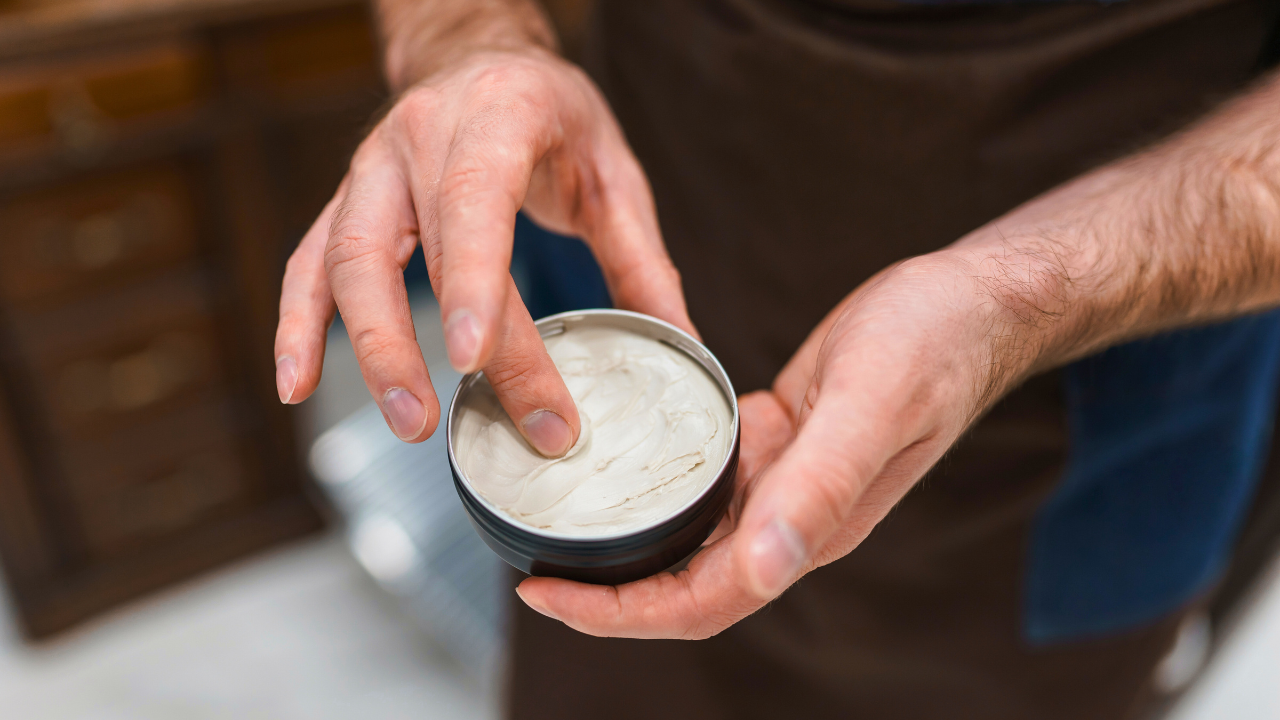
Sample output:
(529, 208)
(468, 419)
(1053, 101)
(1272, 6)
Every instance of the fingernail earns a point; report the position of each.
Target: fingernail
(548, 432)
(774, 558)
(406, 413)
(535, 607)
(286, 377)
(462, 338)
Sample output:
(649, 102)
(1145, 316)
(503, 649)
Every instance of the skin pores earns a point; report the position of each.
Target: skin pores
(655, 430)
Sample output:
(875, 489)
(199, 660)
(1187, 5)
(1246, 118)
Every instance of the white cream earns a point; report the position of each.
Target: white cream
(655, 429)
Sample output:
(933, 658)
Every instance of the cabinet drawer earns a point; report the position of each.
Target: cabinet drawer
(145, 84)
(151, 478)
(81, 105)
(70, 240)
(166, 501)
(121, 356)
(135, 378)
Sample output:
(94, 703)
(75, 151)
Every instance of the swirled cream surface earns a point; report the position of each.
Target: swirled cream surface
(655, 429)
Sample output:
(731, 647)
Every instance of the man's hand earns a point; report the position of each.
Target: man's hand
(486, 133)
(1187, 232)
(872, 399)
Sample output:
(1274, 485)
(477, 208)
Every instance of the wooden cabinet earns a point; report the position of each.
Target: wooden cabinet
(158, 161)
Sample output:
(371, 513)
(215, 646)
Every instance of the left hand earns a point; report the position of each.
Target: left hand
(877, 393)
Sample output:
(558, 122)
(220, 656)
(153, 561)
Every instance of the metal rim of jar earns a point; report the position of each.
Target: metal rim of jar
(666, 332)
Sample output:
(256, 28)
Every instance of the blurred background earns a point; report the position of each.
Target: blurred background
(175, 543)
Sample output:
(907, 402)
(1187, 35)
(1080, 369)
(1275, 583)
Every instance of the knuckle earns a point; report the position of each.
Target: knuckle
(472, 180)
(515, 94)
(493, 78)
(526, 107)
(464, 179)
(420, 101)
(415, 108)
(373, 346)
(834, 491)
(350, 241)
(512, 371)
(512, 77)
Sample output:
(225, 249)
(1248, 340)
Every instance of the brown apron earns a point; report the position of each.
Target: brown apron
(795, 148)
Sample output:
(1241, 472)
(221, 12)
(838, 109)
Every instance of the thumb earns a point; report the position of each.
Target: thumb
(804, 497)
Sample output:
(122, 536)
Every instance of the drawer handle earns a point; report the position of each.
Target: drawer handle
(78, 121)
(108, 238)
(133, 381)
(98, 240)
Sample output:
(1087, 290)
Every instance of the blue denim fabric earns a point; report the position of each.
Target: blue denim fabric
(555, 273)
(1168, 438)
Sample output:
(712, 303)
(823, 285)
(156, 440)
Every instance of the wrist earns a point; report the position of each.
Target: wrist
(420, 38)
(1023, 300)
(1057, 278)
(1184, 233)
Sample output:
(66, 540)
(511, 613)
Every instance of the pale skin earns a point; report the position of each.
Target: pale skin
(1185, 232)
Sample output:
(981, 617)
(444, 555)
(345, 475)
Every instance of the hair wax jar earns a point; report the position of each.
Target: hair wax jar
(650, 476)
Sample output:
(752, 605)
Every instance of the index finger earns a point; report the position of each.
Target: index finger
(486, 325)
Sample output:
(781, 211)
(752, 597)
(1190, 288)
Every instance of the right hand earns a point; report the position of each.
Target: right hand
(449, 167)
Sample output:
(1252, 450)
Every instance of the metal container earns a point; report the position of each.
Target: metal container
(616, 558)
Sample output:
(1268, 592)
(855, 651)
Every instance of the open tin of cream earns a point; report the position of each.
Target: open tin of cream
(592, 516)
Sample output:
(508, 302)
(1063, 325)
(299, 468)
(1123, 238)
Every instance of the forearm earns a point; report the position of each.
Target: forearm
(1186, 232)
(421, 36)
